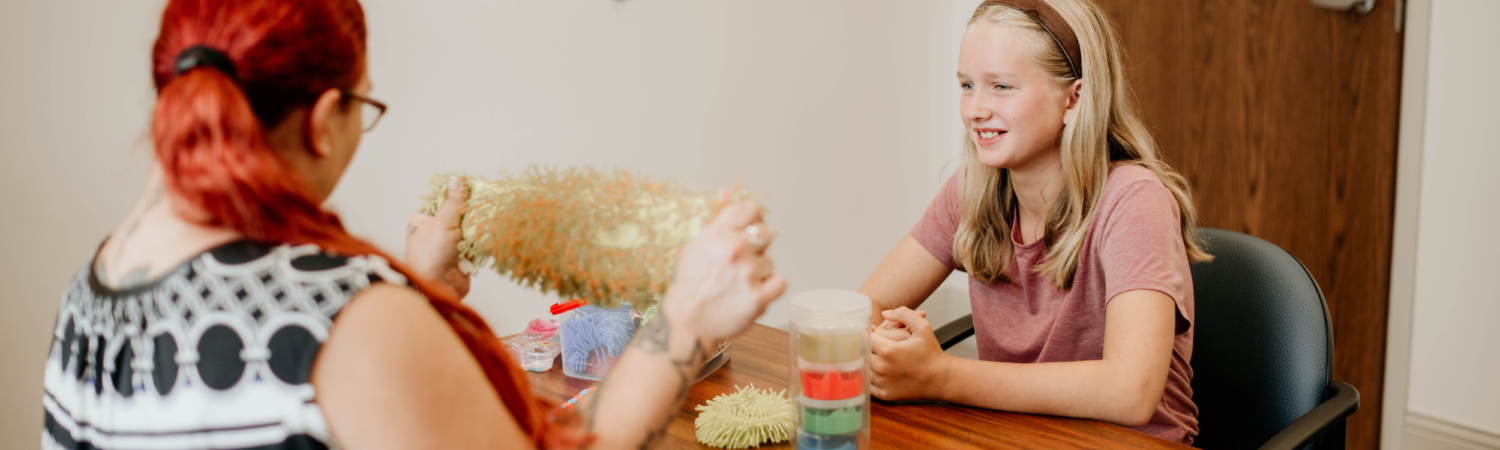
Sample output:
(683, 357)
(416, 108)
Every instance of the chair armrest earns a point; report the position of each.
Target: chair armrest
(955, 331)
(1332, 415)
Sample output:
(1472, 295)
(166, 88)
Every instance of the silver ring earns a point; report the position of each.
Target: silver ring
(754, 237)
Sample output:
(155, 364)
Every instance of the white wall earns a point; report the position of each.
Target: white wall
(843, 112)
(1454, 384)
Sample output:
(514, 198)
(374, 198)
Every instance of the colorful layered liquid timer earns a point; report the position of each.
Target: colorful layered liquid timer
(830, 379)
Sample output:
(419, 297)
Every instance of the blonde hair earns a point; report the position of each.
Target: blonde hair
(1107, 130)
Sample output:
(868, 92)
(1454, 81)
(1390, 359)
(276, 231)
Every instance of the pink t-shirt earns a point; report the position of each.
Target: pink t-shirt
(1134, 242)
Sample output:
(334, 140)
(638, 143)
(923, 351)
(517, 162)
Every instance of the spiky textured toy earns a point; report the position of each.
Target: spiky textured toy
(601, 234)
(747, 418)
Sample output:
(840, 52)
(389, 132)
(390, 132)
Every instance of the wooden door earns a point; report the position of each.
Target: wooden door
(1283, 117)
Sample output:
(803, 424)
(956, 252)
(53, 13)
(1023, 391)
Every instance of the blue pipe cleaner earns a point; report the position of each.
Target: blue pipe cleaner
(615, 328)
(598, 333)
(578, 339)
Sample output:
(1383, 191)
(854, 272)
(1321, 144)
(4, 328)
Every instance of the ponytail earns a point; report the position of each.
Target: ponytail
(211, 144)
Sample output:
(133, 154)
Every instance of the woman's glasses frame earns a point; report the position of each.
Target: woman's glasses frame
(379, 105)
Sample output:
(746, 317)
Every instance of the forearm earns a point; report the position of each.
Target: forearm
(722, 282)
(1100, 389)
(906, 277)
(634, 404)
(885, 294)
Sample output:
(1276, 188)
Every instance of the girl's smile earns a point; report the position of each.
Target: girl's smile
(985, 137)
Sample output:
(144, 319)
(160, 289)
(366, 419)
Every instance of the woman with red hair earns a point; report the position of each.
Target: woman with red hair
(229, 310)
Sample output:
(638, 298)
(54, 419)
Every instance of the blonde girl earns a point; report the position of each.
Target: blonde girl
(1075, 235)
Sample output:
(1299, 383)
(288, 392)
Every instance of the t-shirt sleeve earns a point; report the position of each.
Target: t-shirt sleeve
(1141, 247)
(937, 226)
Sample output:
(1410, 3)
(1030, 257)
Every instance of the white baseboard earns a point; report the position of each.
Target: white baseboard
(1423, 432)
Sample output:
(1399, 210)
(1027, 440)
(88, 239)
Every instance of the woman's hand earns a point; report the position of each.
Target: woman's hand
(432, 241)
(724, 280)
(910, 369)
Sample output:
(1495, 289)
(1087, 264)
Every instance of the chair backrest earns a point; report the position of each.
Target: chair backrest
(1262, 344)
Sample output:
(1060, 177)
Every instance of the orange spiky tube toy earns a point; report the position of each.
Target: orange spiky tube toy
(600, 234)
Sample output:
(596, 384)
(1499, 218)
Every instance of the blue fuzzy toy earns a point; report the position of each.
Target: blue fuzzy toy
(598, 333)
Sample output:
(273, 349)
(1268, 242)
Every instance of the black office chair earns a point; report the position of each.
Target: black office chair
(1262, 351)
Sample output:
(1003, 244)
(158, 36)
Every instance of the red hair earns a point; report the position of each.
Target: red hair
(209, 131)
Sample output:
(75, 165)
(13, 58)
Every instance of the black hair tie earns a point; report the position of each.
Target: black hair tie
(203, 56)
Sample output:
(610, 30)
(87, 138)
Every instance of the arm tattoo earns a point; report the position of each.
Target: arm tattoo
(654, 435)
(656, 335)
(683, 368)
(655, 339)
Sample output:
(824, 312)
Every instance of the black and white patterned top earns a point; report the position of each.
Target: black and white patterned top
(214, 355)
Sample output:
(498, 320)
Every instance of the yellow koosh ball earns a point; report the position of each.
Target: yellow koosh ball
(747, 418)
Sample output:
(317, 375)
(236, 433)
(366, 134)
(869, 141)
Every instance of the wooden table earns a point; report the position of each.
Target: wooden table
(760, 356)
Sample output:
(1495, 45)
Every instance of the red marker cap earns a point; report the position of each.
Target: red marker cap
(559, 308)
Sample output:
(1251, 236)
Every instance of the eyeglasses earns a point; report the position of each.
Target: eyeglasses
(370, 109)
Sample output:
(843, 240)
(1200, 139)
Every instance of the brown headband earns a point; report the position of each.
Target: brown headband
(1056, 27)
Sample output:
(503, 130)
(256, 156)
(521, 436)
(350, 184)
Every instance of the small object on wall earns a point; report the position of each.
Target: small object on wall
(747, 418)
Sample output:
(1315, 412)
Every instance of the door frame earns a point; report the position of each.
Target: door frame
(1417, 24)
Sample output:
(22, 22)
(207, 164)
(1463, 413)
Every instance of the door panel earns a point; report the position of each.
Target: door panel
(1283, 117)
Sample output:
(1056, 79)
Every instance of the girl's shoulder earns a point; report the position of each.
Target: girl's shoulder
(1129, 173)
(1138, 187)
(1127, 179)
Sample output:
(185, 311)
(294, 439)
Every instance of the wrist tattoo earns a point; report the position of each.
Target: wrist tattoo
(654, 339)
(656, 336)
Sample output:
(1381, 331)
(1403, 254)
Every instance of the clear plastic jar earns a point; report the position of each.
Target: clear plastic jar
(538, 346)
(830, 338)
(593, 339)
(537, 356)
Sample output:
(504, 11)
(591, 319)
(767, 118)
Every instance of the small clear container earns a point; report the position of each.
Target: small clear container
(538, 346)
(593, 339)
(538, 356)
(831, 383)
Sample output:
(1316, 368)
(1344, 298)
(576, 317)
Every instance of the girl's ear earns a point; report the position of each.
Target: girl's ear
(1074, 92)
